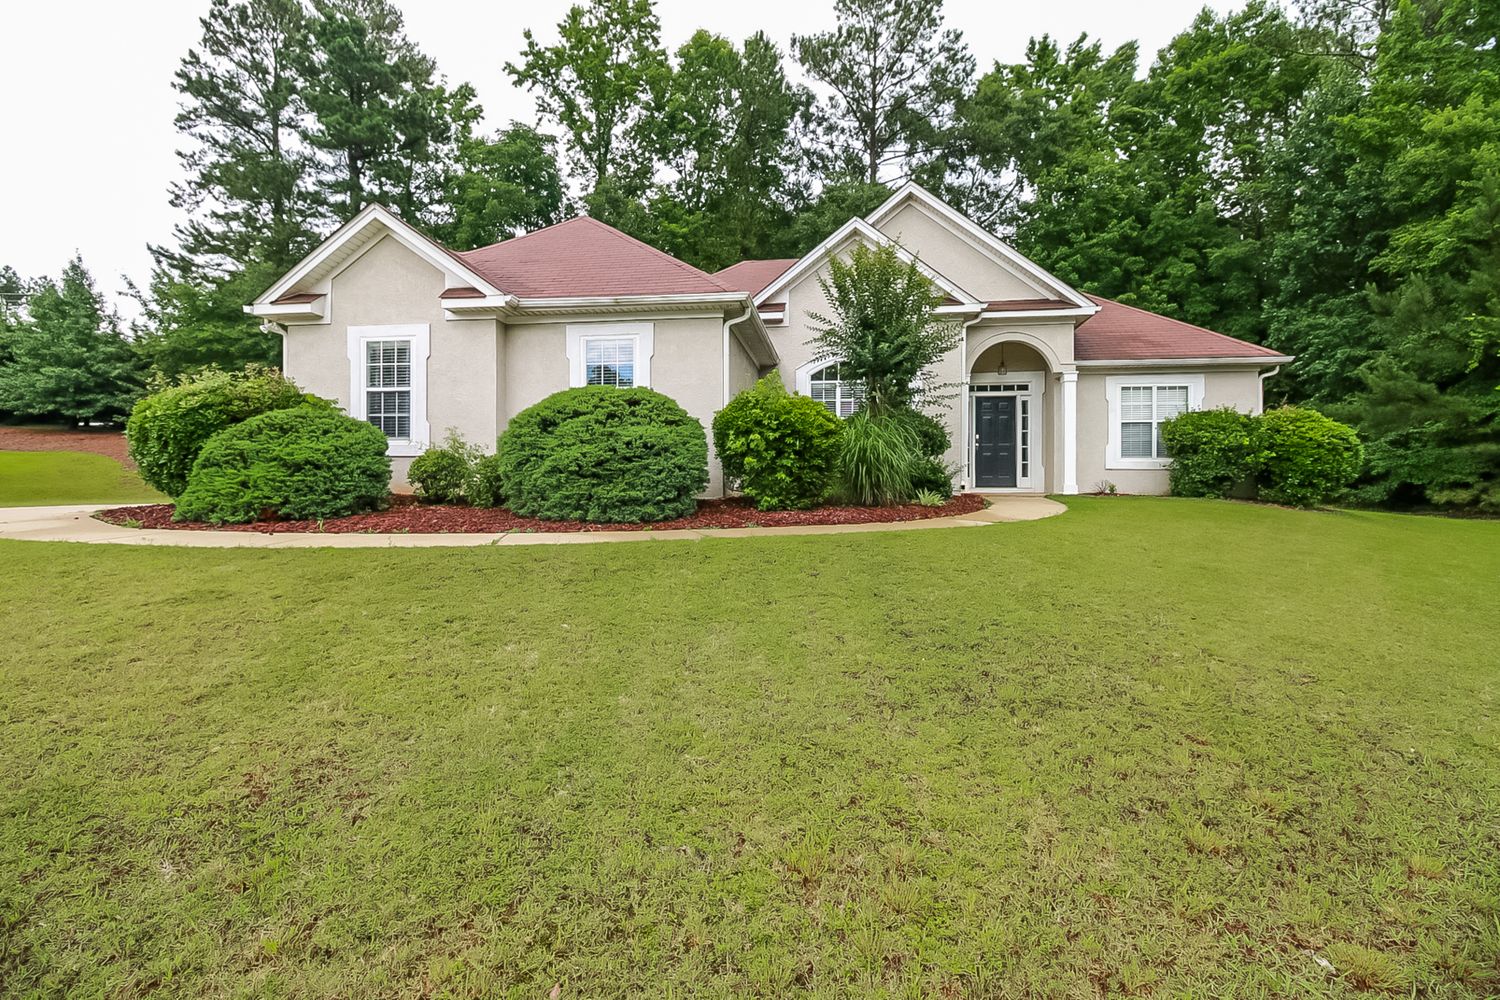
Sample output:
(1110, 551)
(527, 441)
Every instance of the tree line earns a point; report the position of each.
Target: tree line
(1323, 179)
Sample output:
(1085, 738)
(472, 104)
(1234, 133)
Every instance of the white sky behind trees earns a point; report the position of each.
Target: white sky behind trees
(89, 146)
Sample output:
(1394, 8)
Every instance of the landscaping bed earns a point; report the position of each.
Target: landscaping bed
(408, 515)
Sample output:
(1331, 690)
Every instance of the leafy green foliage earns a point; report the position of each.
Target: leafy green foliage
(486, 487)
(878, 459)
(884, 331)
(67, 359)
(310, 461)
(168, 428)
(442, 473)
(599, 82)
(780, 449)
(500, 188)
(893, 75)
(1212, 452)
(603, 454)
(1302, 457)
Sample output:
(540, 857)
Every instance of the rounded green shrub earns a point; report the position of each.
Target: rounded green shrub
(604, 454)
(486, 488)
(167, 429)
(932, 477)
(441, 474)
(1304, 458)
(781, 450)
(1211, 452)
(303, 463)
(928, 431)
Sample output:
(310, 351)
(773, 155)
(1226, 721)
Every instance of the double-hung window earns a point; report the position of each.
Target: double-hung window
(609, 361)
(612, 354)
(388, 382)
(388, 386)
(1137, 409)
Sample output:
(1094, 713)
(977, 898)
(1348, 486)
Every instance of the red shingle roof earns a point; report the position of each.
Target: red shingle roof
(297, 299)
(1118, 332)
(461, 292)
(584, 258)
(754, 275)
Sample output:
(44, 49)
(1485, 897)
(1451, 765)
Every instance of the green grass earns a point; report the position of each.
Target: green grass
(1156, 747)
(39, 478)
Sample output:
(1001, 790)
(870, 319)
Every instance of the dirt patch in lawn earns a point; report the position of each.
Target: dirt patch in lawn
(409, 515)
(110, 443)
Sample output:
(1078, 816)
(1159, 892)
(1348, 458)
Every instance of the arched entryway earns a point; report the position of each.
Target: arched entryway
(1006, 400)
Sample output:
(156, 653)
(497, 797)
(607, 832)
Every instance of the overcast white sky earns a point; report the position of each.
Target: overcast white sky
(90, 148)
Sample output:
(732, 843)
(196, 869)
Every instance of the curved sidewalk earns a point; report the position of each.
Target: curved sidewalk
(74, 524)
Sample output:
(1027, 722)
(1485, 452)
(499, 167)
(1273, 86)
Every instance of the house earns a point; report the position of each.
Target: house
(1056, 390)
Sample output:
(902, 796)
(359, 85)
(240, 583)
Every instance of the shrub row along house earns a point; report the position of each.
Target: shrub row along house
(1053, 388)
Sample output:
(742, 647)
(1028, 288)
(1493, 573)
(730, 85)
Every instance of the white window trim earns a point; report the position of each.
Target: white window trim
(644, 335)
(420, 337)
(804, 377)
(1112, 386)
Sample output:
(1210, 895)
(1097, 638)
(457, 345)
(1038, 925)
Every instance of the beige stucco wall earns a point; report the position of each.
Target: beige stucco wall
(1239, 388)
(388, 285)
(950, 255)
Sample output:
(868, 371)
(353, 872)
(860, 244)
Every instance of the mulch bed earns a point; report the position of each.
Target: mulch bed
(407, 515)
(110, 443)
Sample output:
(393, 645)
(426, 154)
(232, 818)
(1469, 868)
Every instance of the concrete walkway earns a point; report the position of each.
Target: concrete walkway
(74, 524)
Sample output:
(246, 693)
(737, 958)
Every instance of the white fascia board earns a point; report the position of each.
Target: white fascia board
(855, 227)
(633, 301)
(373, 215)
(1006, 314)
(978, 237)
(1258, 362)
(304, 312)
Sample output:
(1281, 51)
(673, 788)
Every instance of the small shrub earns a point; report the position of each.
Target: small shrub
(930, 434)
(878, 459)
(931, 498)
(486, 488)
(931, 476)
(304, 463)
(603, 454)
(781, 450)
(168, 428)
(1304, 458)
(1211, 452)
(442, 474)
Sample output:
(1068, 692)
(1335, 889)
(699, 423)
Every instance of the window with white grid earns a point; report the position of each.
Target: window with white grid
(388, 386)
(828, 386)
(1138, 407)
(609, 361)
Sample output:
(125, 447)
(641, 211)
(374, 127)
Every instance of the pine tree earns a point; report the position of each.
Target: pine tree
(895, 77)
(69, 360)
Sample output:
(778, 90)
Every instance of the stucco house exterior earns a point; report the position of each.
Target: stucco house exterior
(1057, 391)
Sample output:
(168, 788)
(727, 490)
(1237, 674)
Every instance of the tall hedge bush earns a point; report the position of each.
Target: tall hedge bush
(168, 429)
(302, 463)
(1212, 452)
(780, 449)
(1304, 458)
(603, 454)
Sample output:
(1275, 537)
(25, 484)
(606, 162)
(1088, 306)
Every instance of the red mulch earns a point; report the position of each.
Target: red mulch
(110, 443)
(408, 515)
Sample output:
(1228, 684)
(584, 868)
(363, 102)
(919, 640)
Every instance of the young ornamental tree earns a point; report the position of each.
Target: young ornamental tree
(885, 331)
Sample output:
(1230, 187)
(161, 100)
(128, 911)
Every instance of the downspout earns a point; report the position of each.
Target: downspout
(1263, 376)
(749, 308)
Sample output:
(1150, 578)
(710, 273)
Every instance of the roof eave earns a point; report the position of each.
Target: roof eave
(1243, 361)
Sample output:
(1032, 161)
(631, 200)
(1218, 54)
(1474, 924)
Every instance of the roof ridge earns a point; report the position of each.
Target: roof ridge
(1183, 322)
(517, 239)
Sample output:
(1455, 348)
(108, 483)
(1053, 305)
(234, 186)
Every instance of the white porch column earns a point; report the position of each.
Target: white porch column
(1069, 431)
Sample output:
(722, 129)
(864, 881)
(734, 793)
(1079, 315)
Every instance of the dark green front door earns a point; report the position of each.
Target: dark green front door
(994, 441)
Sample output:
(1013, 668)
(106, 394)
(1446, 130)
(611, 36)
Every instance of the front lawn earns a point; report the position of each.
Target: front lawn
(1147, 747)
(40, 478)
